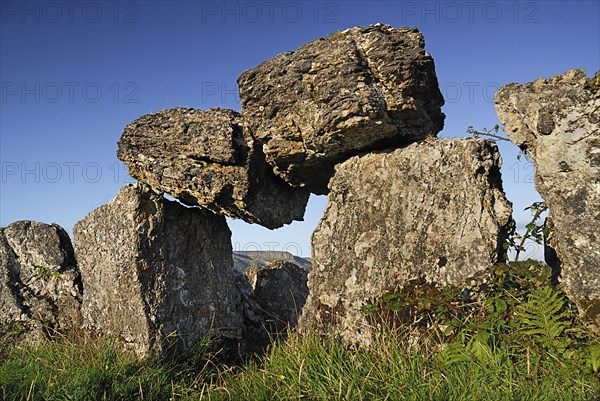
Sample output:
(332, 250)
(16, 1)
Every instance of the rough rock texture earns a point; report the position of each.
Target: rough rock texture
(255, 334)
(432, 211)
(280, 289)
(272, 298)
(361, 89)
(155, 273)
(208, 158)
(40, 285)
(557, 122)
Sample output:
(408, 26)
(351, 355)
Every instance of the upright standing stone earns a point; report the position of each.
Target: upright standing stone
(557, 122)
(361, 89)
(432, 211)
(40, 285)
(155, 273)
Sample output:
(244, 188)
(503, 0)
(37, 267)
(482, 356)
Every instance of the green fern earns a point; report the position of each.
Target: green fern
(544, 317)
(475, 351)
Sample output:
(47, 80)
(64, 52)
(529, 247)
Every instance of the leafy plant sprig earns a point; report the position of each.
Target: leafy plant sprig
(492, 133)
(535, 231)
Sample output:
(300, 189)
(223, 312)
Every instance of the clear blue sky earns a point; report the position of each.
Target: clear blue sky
(73, 74)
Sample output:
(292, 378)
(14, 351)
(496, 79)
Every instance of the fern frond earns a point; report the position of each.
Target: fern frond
(544, 315)
(455, 353)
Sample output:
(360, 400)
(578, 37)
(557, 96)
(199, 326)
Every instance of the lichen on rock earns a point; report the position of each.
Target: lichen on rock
(556, 122)
(432, 211)
(156, 274)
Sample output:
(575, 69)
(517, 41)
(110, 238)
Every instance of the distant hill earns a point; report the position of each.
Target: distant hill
(244, 259)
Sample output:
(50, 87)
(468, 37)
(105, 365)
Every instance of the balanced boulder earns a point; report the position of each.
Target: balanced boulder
(361, 89)
(432, 212)
(208, 158)
(40, 285)
(156, 274)
(557, 123)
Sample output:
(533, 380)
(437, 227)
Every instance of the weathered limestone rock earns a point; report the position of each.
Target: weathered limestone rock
(361, 89)
(156, 274)
(433, 212)
(280, 289)
(557, 122)
(208, 158)
(40, 285)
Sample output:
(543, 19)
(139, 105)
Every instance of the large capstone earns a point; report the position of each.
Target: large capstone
(208, 158)
(40, 285)
(361, 89)
(557, 123)
(432, 212)
(156, 274)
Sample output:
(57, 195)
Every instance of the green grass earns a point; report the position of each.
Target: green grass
(304, 367)
(523, 341)
(313, 369)
(77, 370)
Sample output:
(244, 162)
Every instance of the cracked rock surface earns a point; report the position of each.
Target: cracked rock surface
(557, 122)
(361, 89)
(433, 211)
(156, 274)
(209, 158)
